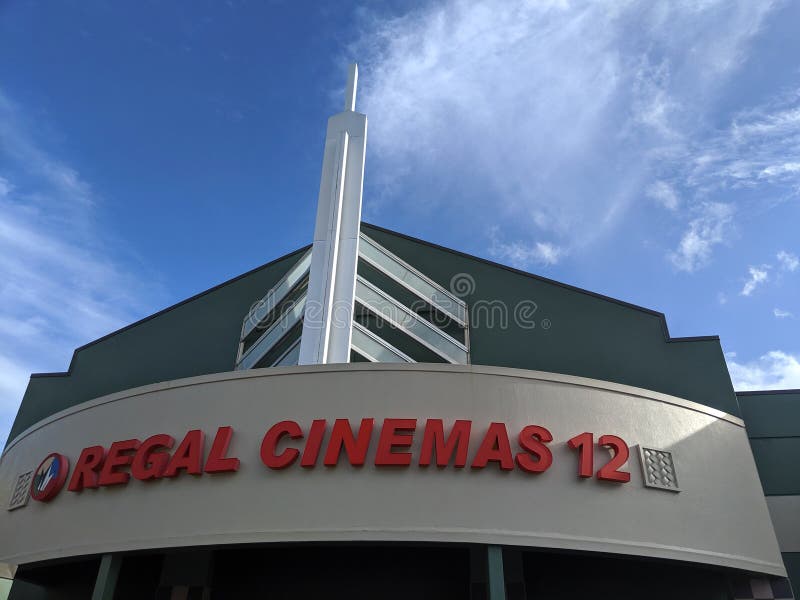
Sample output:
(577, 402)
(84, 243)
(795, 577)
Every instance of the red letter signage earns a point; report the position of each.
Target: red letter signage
(270, 443)
(217, 462)
(152, 459)
(495, 448)
(395, 433)
(355, 447)
(457, 441)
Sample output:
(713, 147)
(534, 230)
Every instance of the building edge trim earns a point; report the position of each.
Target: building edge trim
(767, 392)
(415, 367)
(437, 535)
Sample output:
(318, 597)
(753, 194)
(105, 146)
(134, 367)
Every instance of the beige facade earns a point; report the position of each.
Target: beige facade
(719, 516)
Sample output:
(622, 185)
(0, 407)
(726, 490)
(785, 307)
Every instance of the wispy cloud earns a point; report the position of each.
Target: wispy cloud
(663, 193)
(710, 228)
(556, 117)
(757, 153)
(59, 285)
(782, 314)
(788, 261)
(757, 276)
(523, 255)
(788, 168)
(760, 147)
(775, 370)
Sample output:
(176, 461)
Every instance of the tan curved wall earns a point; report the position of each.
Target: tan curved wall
(720, 517)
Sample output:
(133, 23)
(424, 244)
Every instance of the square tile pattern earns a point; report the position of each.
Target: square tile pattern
(763, 588)
(21, 491)
(658, 469)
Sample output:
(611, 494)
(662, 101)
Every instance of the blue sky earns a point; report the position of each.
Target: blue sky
(648, 151)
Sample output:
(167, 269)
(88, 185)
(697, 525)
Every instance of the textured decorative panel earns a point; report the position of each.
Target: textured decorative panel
(659, 469)
(21, 491)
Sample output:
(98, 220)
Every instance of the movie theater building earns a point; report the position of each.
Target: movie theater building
(375, 416)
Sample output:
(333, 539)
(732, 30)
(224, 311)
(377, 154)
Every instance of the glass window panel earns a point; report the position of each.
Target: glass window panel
(291, 358)
(390, 309)
(273, 335)
(267, 304)
(405, 274)
(372, 347)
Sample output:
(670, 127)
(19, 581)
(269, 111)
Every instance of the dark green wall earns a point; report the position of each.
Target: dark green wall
(590, 336)
(777, 460)
(771, 414)
(196, 337)
(772, 419)
(792, 562)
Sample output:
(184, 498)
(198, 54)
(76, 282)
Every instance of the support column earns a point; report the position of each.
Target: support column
(497, 580)
(487, 578)
(107, 576)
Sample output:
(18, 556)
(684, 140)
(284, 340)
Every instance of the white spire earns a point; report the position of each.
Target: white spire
(328, 319)
(350, 90)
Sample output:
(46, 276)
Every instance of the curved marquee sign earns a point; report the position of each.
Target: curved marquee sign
(440, 453)
(282, 447)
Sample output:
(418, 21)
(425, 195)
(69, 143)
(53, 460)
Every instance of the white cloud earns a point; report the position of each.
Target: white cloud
(664, 194)
(60, 286)
(788, 261)
(781, 314)
(21, 149)
(774, 370)
(711, 228)
(5, 187)
(758, 275)
(759, 152)
(759, 124)
(523, 255)
(549, 116)
(785, 168)
(760, 147)
(13, 379)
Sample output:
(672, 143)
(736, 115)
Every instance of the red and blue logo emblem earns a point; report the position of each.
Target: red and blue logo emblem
(49, 478)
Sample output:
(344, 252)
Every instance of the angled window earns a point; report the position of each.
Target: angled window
(400, 315)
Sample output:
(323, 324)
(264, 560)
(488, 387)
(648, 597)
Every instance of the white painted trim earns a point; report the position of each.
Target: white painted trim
(401, 263)
(283, 326)
(402, 309)
(276, 294)
(378, 340)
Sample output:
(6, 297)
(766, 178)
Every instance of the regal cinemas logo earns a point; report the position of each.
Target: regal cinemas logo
(288, 444)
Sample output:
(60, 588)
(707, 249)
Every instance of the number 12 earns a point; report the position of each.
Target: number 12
(584, 444)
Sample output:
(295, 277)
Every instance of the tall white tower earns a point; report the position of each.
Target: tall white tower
(327, 323)
(323, 309)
